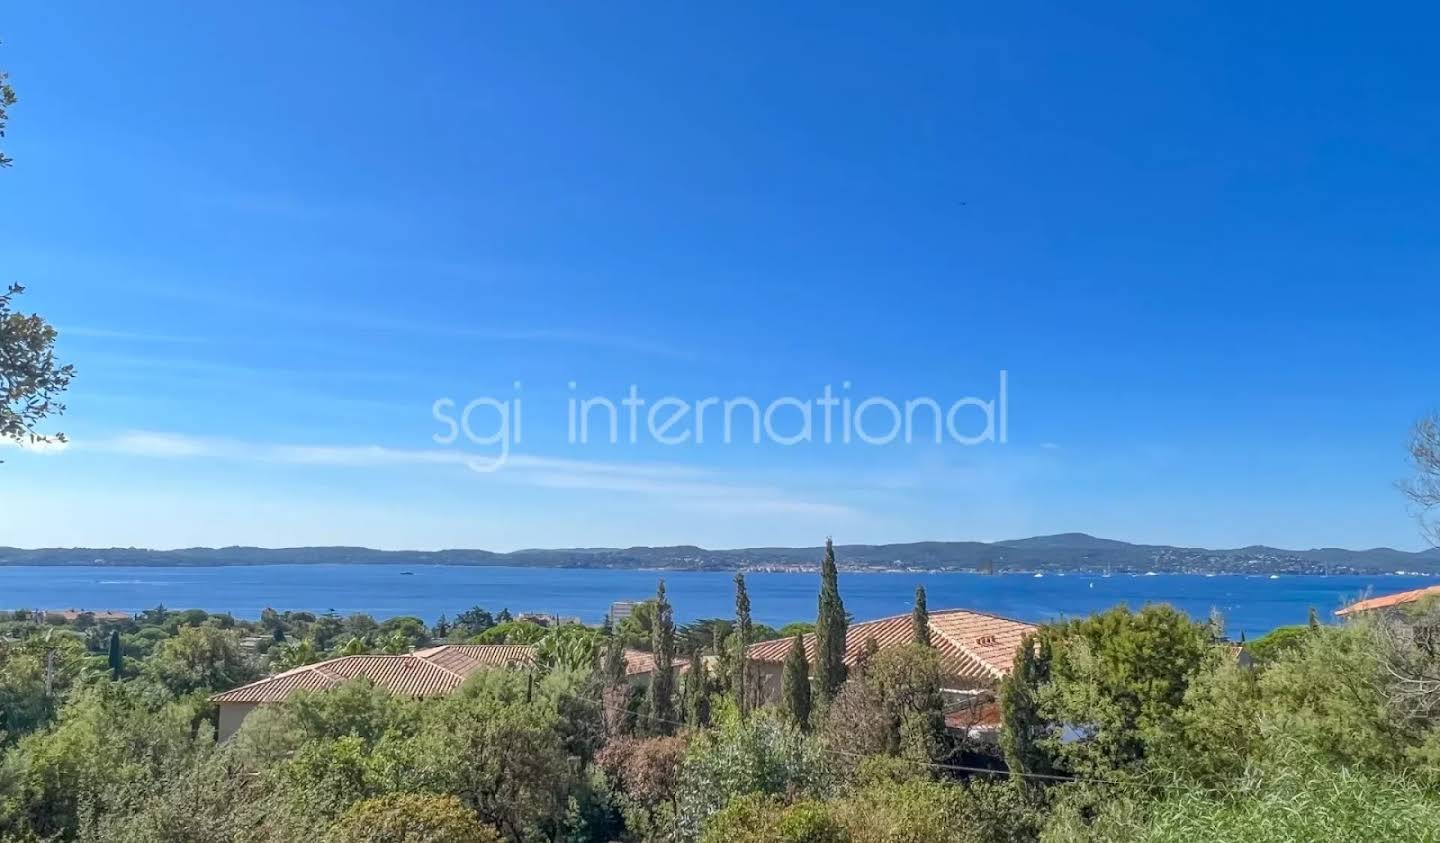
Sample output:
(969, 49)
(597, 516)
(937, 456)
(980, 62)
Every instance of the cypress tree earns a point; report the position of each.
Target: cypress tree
(697, 712)
(742, 636)
(614, 667)
(724, 672)
(279, 634)
(1023, 727)
(920, 618)
(117, 658)
(1314, 620)
(797, 684)
(830, 627)
(662, 680)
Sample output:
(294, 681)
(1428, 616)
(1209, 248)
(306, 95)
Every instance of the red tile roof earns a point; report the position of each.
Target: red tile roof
(466, 658)
(1389, 600)
(639, 663)
(424, 673)
(971, 645)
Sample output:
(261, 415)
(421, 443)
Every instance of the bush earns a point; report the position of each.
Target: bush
(410, 818)
(758, 756)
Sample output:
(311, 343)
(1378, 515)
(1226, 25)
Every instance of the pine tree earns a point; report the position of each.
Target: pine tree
(117, 656)
(742, 636)
(920, 618)
(662, 679)
(796, 684)
(830, 628)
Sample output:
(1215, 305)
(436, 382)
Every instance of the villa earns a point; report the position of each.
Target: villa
(431, 672)
(976, 651)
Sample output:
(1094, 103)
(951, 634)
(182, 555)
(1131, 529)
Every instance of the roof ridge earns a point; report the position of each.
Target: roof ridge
(933, 612)
(426, 660)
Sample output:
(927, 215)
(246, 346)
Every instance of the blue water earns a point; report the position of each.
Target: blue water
(1253, 605)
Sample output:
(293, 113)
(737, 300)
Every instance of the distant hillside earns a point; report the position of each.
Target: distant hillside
(1064, 552)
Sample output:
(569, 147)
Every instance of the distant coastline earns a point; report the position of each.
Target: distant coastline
(1070, 553)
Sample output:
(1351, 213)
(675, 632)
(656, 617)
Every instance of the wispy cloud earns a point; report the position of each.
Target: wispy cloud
(124, 336)
(369, 322)
(670, 482)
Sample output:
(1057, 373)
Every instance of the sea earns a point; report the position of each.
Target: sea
(1251, 605)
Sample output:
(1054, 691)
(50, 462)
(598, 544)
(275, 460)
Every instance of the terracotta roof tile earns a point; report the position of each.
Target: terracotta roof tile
(639, 663)
(466, 658)
(970, 645)
(424, 673)
(1389, 600)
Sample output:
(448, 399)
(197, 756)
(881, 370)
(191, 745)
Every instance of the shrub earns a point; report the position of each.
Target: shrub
(410, 818)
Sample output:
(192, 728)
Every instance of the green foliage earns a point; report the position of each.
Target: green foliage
(1293, 802)
(613, 668)
(638, 628)
(109, 736)
(661, 714)
(920, 618)
(697, 692)
(795, 688)
(512, 632)
(568, 647)
(702, 634)
(116, 658)
(647, 772)
(201, 658)
(761, 819)
(1277, 642)
(910, 812)
(1109, 683)
(410, 818)
(28, 700)
(472, 621)
(409, 630)
(297, 654)
(740, 681)
(7, 99)
(830, 628)
(31, 380)
(758, 755)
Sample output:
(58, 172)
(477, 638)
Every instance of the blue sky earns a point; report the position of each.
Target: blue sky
(1200, 242)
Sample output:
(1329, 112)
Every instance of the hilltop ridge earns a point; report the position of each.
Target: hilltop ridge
(1060, 552)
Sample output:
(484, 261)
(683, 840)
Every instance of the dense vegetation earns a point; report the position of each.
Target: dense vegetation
(1129, 725)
